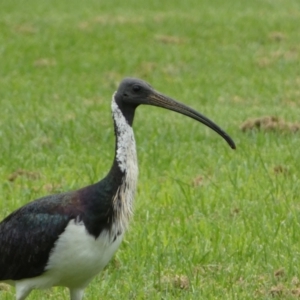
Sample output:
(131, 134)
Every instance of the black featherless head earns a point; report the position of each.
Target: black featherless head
(134, 92)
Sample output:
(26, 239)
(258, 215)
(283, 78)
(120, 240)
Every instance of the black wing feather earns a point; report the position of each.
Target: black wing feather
(28, 234)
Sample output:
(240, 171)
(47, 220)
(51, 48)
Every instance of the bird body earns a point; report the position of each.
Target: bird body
(68, 238)
(75, 259)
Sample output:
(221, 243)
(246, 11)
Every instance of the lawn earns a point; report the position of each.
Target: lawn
(210, 222)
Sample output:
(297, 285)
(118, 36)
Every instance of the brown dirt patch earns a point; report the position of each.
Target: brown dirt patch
(270, 123)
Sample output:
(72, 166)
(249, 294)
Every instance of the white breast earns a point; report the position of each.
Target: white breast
(78, 256)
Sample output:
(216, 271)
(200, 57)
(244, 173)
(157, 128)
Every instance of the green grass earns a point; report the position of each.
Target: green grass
(232, 235)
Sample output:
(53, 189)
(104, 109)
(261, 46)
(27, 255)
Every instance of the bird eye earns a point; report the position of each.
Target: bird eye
(136, 88)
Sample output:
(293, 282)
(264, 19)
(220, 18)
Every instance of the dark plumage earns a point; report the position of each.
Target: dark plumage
(66, 239)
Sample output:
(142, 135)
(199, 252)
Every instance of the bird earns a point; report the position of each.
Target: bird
(66, 239)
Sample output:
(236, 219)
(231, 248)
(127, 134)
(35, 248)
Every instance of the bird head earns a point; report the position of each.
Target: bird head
(133, 92)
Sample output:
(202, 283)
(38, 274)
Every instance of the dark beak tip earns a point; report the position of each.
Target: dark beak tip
(232, 145)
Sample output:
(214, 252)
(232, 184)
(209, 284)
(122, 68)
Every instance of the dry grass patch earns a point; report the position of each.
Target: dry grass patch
(24, 173)
(25, 29)
(177, 281)
(169, 39)
(44, 62)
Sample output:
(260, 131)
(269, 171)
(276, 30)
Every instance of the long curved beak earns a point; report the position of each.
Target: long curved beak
(160, 100)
